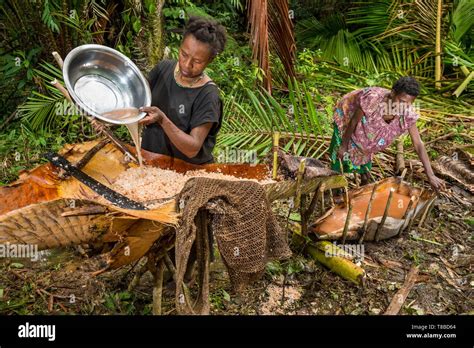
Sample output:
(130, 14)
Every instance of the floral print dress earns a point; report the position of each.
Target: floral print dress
(373, 133)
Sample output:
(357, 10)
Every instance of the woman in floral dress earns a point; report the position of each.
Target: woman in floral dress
(367, 120)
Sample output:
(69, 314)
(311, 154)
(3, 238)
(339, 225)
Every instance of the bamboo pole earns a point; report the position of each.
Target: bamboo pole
(332, 257)
(404, 218)
(384, 217)
(438, 46)
(346, 224)
(276, 141)
(299, 180)
(463, 85)
(367, 214)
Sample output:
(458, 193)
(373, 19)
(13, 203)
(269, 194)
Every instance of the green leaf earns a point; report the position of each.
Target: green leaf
(295, 216)
(137, 25)
(16, 265)
(226, 296)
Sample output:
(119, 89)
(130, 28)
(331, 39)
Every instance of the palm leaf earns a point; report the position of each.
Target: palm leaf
(271, 27)
(250, 122)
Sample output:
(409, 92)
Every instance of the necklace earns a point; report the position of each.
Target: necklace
(191, 84)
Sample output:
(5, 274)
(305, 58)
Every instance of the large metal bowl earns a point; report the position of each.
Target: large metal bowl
(101, 79)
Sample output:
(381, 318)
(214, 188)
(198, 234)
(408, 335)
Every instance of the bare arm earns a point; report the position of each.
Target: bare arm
(437, 183)
(188, 144)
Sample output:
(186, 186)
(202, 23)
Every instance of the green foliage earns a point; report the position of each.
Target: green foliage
(21, 148)
(251, 119)
(49, 7)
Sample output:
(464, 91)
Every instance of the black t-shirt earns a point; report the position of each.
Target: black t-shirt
(187, 108)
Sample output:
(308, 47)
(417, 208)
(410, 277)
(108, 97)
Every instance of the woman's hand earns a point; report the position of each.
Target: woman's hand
(342, 151)
(437, 183)
(154, 115)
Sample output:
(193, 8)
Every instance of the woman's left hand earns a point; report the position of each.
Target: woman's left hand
(154, 115)
(437, 183)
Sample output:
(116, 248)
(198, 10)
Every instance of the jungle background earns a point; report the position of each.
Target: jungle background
(283, 71)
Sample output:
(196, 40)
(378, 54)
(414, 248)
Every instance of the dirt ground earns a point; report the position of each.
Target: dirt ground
(443, 249)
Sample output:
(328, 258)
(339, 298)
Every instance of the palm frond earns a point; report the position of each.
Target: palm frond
(251, 120)
(462, 19)
(271, 27)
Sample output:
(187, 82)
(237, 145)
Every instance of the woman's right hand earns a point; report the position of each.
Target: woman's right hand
(342, 151)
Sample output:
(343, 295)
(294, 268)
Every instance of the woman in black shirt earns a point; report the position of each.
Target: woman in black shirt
(186, 111)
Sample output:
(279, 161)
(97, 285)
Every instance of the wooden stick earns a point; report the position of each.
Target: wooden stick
(62, 89)
(303, 215)
(346, 225)
(58, 59)
(321, 191)
(412, 219)
(341, 167)
(384, 217)
(404, 172)
(136, 278)
(399, 299)
(367, 214)
(346, 191)
(427, 210)
(412, 200)
(169, 264)
(299, 179)
(331, 198)
(309, 212)
(445, 136)
(276, 141)
(158, 288)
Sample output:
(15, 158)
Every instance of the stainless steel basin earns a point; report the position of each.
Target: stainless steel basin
(101, 79)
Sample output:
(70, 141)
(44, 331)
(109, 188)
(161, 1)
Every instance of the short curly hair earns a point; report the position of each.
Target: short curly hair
(208, 31)
(408, 85)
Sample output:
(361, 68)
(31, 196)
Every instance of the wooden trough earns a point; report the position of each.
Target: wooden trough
(46, 208)
(374, 212)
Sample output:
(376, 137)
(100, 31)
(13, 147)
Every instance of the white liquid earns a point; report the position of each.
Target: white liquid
(133, 128)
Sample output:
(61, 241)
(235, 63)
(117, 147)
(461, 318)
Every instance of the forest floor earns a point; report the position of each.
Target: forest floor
(61, 283)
